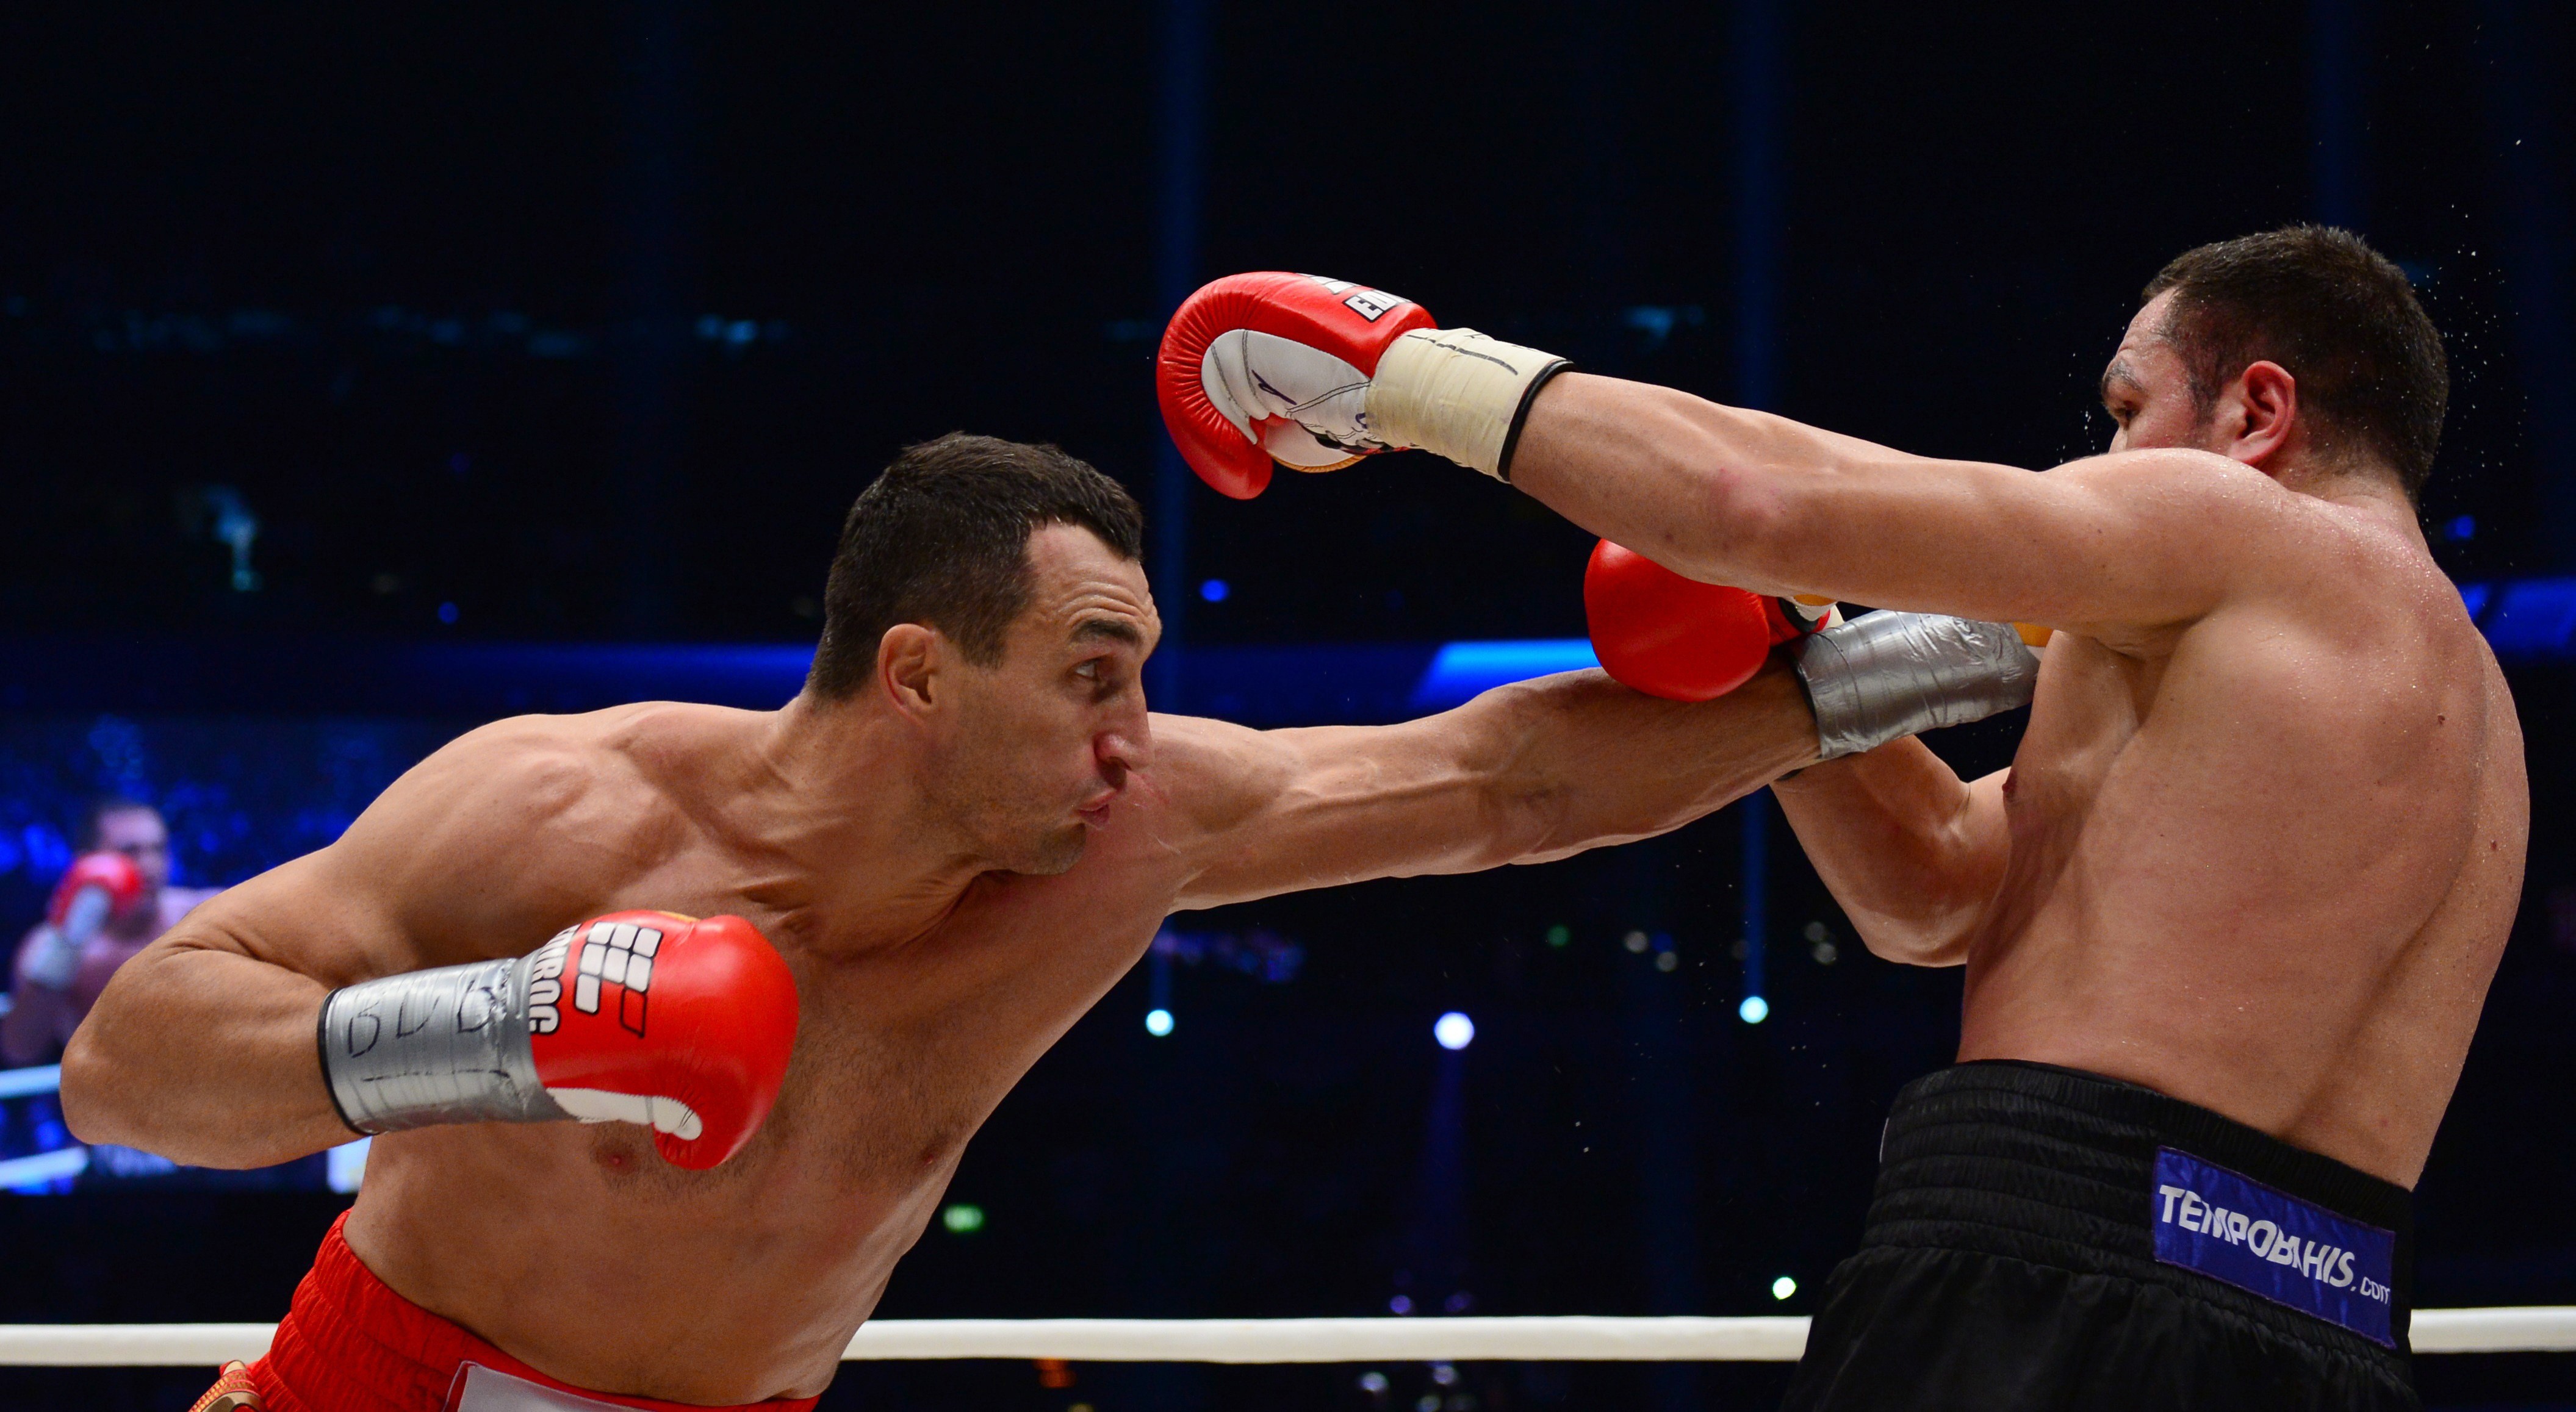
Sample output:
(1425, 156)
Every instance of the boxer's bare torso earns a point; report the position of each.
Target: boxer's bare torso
(953, 881)
(542, 1237)
(2265, 863)
(2264, 836)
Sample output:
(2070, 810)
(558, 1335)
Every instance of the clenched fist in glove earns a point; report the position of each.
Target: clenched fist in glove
(1315, 373)
(680, 1024)
(1678, 638)
(1877, 678)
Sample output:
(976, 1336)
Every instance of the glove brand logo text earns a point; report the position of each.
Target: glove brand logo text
(545, 989)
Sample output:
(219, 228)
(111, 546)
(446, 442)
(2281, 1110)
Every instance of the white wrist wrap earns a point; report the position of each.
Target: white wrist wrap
(1454, 392)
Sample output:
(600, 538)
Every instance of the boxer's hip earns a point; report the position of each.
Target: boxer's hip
(2042, 1237)
(351, 1344)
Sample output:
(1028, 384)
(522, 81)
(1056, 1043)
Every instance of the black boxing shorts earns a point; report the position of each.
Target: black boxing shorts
(2048, 1238)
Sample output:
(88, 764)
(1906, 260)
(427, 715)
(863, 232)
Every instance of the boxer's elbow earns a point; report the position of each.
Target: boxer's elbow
(118, 1077)
(100, 1102)
(1919, 940)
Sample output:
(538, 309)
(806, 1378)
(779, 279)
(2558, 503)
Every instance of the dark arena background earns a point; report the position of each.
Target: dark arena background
(369, 373)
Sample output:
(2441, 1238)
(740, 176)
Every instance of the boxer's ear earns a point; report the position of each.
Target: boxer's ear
(2260, 411)
(910, 661)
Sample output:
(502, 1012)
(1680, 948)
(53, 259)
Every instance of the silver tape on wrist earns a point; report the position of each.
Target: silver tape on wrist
(1889, 675)
(443, 1046)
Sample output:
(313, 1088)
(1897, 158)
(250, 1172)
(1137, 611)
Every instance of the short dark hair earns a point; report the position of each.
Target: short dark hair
(2339, 315)
(942, 539)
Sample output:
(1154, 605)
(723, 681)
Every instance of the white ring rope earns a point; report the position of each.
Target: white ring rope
(1579, 1338)
(1573, 1338)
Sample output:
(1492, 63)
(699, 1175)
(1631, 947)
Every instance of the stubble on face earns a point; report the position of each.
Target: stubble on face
(2147, 387)
(997, 813)
(1025, 758)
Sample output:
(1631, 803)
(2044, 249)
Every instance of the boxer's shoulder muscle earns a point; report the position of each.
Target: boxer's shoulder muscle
(2256, 544)
(503, 832)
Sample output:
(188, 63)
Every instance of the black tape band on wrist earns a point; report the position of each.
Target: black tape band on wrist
(1520, 416)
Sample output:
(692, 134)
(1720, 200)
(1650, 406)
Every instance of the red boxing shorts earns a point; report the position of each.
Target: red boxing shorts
(350, 1344)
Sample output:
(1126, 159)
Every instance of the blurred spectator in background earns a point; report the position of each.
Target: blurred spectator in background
(112, 902)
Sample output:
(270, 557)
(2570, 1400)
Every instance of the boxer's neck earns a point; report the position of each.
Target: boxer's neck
(2368, 491)
(834, 795)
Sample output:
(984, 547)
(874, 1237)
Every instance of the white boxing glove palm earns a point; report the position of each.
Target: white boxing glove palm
(1303, 406)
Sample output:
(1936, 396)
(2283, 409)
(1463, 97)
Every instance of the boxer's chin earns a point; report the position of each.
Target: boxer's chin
(1055, 852)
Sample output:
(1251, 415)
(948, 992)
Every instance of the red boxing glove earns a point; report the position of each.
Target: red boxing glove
(1660, 633)
(656, 1018)
(112, 876)
(1262, 367)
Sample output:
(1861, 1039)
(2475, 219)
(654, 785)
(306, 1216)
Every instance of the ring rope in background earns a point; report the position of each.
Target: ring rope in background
(1577, 1338)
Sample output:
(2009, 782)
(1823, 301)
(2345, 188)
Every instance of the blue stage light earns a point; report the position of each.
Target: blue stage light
(1214, 590)
(1755, 1009)
(1462, 669)
(1158, 1022)
(1454, 1031)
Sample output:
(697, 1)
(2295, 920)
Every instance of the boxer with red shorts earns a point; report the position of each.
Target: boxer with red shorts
(350, 1344)
(958, 837)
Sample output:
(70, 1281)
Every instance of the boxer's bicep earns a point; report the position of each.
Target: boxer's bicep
(244, 974)
(2143, 540)
(203, 1053)
(1266, 812)
(1727, 495)
(456, 861)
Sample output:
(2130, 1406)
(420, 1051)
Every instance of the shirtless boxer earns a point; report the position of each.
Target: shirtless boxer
(2230, 917)
(64, 961)
(959, 837)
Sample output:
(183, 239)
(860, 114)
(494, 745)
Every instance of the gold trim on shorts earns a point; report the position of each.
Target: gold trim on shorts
(232, 1392)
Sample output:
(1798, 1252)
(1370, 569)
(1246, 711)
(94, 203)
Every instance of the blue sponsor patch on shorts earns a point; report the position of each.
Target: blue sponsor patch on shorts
(2233, 1228)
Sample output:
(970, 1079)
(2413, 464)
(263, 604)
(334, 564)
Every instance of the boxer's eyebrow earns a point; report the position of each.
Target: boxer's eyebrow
(2118, 373)
(1115, 629)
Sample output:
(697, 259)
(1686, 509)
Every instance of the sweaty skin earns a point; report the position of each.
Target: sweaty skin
(2263, 838)
(957, 862)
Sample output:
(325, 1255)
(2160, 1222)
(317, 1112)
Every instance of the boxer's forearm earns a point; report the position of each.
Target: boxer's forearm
(1713, 492)
(1524, 773)
(1596, 763)
(204, 1056)
(1910, 851)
